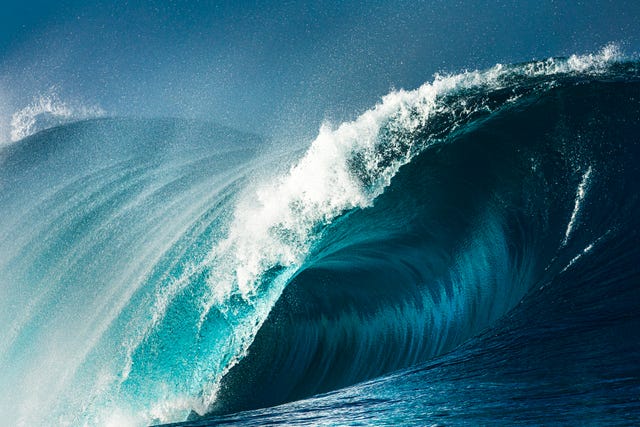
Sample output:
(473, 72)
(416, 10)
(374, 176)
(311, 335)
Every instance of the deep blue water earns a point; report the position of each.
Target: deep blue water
(463, 253)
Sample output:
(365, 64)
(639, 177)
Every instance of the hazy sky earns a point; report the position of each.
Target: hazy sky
(278, 66)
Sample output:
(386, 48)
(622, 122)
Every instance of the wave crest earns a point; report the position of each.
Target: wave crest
(46, 111)
(348, 167)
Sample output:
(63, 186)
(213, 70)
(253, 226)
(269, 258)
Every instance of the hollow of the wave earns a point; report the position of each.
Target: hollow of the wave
(454, 243)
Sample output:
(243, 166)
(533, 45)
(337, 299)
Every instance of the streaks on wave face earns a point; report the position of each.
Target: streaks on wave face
(100, 218)
(158, 274)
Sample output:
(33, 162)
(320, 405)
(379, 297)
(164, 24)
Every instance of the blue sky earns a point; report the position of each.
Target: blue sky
(278, 67)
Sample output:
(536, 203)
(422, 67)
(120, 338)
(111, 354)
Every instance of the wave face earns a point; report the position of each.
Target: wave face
(156, 269)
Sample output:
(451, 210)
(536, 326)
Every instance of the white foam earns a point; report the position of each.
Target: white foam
(590, 63)
(48, 110)
(275, 224)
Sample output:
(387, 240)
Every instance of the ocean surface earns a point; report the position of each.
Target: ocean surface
(465, 253)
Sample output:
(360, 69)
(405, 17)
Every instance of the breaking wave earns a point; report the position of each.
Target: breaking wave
(164, 268)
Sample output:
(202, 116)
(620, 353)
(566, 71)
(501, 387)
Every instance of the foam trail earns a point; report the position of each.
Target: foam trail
(580, 194)
(584, 251)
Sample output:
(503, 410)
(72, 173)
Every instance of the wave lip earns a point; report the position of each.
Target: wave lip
(47, 111)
